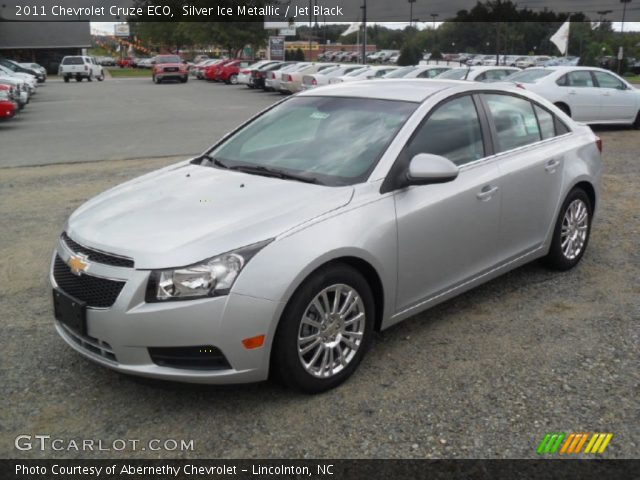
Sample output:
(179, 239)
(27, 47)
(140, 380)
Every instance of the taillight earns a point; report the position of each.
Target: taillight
(599, 144)
(258, 75)
(86, 68)
(314, 82)
(289, 78)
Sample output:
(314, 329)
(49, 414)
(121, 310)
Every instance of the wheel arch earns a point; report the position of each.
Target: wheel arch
(588, 189)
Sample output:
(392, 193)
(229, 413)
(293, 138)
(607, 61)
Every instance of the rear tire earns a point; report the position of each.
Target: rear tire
(78, 78)
(184, 79)
(233, 79)
(66, 79)
(334, 308)
(571, 233)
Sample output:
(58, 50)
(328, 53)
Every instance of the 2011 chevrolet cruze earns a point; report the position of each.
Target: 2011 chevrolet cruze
(330, 215)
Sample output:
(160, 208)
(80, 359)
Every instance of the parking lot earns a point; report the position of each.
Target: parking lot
(485, 375)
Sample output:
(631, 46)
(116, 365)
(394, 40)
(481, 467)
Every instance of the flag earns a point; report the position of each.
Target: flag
(561, 38)
(354, 27)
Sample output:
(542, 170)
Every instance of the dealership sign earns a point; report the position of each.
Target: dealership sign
(121, 30)
(276, 48)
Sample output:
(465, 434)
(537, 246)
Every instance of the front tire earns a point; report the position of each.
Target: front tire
(571, 233)
(636, 124)
(233, 79)
(184, 79)
(325, 330)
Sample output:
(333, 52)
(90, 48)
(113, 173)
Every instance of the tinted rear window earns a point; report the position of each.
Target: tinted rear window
(169, 59)
(73, 61)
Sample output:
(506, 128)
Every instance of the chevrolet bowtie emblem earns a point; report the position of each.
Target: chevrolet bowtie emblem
(78, 263)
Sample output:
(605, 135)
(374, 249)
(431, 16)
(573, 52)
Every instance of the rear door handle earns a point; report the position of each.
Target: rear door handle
(486, 193)
(552, 165)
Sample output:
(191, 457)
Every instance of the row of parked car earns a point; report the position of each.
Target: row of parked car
(587, 94)
(18, 83)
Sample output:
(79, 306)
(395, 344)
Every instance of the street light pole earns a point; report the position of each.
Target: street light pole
(621, 51)
(411, 2)
(364, 31)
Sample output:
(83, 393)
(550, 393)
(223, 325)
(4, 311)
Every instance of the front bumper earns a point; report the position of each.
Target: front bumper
(119, 337)
(171, 75)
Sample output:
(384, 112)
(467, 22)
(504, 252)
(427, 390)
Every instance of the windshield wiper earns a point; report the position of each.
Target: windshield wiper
(215, 161)
(270, 172)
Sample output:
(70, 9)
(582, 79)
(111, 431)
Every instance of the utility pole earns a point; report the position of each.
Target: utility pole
(364, 31)
(621, 51)
(411, 2)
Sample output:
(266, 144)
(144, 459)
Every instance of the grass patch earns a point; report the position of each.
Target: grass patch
(632, 78)
(130, 72)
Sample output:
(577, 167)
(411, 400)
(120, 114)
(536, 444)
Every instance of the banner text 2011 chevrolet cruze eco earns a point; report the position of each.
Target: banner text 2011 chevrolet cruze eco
(326, 217)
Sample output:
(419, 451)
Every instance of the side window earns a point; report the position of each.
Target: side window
(482, 77)
(514, 119)
(452, 131)
(606, 80)
(563, 81)
(580, 79)
(546, 122)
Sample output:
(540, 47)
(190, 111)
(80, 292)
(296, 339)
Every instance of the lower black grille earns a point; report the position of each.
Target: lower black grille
(203, 357)
(94, 291)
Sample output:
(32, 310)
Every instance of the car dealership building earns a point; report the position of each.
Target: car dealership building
(43, 42)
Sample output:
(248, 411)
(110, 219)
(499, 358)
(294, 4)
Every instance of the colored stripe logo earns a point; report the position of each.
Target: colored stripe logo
(573, 443)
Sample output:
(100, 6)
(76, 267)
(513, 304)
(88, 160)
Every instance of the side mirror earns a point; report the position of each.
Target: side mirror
(426, 169)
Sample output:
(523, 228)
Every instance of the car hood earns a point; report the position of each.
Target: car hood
(183, 214)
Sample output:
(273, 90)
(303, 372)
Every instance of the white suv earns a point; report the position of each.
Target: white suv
(80, 67)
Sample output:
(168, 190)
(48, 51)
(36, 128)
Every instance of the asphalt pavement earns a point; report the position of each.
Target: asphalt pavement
(124, 118)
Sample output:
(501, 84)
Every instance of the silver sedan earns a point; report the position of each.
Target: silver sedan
(331, 215)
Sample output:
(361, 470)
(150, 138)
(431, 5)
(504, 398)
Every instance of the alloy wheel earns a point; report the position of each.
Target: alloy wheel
(331, 331)
(575, 226)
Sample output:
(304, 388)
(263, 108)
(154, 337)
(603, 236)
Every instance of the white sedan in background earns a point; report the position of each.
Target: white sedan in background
(321, 78)
(586, 94)
(291, 82)
(364, 73)
(418, 71)
(479, 74)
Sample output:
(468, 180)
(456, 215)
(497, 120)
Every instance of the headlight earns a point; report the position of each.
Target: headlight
(210, 278)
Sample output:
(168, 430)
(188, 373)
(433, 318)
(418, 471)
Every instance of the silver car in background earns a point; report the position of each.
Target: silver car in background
(333, 214)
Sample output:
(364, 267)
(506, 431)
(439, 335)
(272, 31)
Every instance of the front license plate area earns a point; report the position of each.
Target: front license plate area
(70, 311)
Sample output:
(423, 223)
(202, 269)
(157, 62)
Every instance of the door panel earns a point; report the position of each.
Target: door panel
(531, 171)
(447, 233)
(582, 95)
(617, 102)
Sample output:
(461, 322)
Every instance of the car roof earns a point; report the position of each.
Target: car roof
(401, 89)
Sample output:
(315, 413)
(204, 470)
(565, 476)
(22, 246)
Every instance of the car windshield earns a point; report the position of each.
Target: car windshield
(401, 72)
(168, 59)
(528, 76)
(73, 61)
(334, 141)
(455, 74)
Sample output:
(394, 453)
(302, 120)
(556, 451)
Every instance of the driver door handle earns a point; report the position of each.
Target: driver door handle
(486, 193)
(552, 165)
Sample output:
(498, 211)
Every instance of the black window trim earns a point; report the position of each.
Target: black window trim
(394, 179)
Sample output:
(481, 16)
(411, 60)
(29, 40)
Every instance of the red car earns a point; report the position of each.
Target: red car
(211, 71)
(124, 62)
(229, 72)
(7, 107)
(169, 67)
